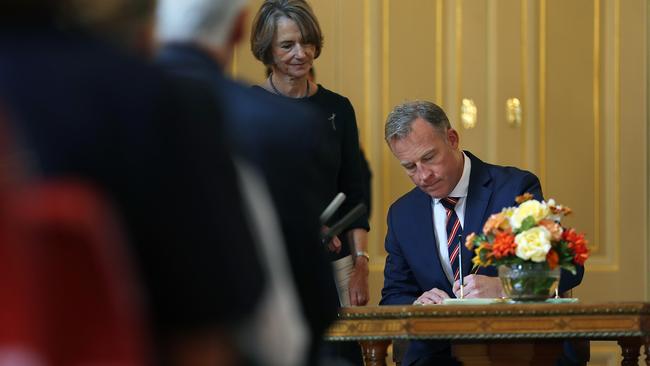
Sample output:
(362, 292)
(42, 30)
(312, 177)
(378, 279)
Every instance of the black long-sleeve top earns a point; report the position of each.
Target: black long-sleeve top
(342, 166)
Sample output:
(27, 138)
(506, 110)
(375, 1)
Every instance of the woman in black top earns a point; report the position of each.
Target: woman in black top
(287, 38)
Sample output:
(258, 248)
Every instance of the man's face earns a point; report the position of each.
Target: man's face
(431, 158)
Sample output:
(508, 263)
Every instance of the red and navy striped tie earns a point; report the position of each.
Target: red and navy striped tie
(453, 231)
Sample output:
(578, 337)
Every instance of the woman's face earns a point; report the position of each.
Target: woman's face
(291, 56)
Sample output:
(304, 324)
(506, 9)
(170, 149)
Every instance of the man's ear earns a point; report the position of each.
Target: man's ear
(453, 138)
(238, 27)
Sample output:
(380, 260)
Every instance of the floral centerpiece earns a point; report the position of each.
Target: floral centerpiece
(529, 245)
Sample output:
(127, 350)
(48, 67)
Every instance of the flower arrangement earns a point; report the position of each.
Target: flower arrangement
(530, 232)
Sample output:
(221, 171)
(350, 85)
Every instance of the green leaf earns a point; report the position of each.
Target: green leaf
(528, 223)
(569, 267)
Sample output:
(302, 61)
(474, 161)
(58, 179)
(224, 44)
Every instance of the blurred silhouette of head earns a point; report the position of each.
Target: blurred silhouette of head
(123, 22)
(208, 22)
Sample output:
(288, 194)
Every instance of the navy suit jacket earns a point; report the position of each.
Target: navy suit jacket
(413, 266)
(285, 141)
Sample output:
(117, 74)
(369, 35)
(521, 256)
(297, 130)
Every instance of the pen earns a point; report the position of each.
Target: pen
(460, 266)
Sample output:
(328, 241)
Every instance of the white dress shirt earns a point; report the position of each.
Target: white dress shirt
(440, 216)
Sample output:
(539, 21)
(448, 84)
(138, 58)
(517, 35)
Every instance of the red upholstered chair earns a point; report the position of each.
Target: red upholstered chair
(67, 292)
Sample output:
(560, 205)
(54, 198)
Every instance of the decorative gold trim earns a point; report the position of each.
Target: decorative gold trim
(498, 321)
(385, 82)
(489, 336)
(459, 57)
(439, 50)
(540, 309)
(340, 54)
(617, 130)
(368, 141)
(597, 119)
(524, 81)
(542, 92)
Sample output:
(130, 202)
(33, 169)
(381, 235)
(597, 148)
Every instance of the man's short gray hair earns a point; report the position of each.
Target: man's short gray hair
(206, 21)
(399, 121)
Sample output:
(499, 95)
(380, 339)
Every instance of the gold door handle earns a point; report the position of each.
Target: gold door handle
(468, 113)
(513, 112)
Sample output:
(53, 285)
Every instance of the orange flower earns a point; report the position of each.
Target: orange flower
(523, 198)
(560, 210)
(496, 223)
(503, 245)
(553, 227)
(578, 244)
(552, 258)
(469, 241)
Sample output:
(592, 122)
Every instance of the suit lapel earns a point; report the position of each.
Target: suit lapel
(478, 199)
(428, 257)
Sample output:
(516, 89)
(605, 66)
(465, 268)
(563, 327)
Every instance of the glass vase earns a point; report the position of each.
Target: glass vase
(529, 281)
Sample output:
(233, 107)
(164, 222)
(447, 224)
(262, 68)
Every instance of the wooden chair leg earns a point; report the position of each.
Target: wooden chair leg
(630, 350)
(374, 352)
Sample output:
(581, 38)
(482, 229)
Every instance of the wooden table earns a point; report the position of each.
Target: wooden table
(375, 327)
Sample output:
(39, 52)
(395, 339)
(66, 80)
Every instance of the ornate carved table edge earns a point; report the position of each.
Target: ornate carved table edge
(516, 310)
(493, 322)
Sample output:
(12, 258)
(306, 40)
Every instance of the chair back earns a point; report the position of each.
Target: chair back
(68, 295)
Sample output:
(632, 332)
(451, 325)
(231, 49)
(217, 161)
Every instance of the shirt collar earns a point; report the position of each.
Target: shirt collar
(463, 184)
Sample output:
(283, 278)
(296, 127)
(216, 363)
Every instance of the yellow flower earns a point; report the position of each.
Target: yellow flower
(533, 244)
(538, 210)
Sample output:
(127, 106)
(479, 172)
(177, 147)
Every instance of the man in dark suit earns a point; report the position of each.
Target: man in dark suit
(282, 140)
(419, 270)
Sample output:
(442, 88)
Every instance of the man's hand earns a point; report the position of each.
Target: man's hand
(358, 286)
(433, 296)
(479, 286)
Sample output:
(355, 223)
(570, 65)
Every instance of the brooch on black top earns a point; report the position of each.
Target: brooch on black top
(332, 117)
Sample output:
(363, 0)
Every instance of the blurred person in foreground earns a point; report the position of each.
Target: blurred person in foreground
(281, 141)
(85, 108)
(418, 269)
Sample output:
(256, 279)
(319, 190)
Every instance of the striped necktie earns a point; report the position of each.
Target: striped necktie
(453, 231)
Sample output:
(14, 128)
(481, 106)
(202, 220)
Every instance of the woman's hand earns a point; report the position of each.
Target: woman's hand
(358, 286)
(334, 245)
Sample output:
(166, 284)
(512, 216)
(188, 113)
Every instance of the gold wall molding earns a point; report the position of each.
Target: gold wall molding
(542, 92)
(458, 53)
(385, 107)
(524, 82)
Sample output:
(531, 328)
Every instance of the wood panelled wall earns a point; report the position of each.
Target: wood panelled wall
(579, 69)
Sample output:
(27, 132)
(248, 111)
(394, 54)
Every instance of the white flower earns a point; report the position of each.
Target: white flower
(538, 210)
(533, 244)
